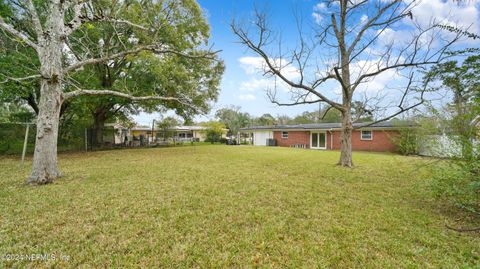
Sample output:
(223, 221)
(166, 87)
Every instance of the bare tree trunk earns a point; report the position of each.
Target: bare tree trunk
(347, 126)
(346, 140)
(45, 167)
(99, 118)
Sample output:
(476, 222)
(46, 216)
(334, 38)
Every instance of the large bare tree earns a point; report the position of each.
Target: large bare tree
(348, 45)
(54, 25)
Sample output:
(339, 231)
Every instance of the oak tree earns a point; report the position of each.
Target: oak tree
(56, 31)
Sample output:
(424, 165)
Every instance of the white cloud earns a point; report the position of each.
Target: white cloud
(317, 17)
(317, 10)
(388, 36)
(377, 83)
(247, 97)
(251, 65)
(364, 19)
(465, 15)
(320, 7)
(255, 65)
(255, 84)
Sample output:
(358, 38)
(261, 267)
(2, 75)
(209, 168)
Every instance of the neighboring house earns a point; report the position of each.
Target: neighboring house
(179, 133)
(377, 137)
(142, 135)
(196, 133)
(114, 133)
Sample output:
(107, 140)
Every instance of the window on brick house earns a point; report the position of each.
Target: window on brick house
(366, 135)
(284, 134)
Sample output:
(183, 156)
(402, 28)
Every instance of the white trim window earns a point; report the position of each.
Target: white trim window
(366, 135)
(285, 135)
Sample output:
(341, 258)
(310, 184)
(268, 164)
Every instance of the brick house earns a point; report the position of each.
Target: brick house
(376, 137)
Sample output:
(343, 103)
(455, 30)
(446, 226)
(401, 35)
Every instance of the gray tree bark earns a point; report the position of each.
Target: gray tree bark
(347, 126)
(346, 141)
(45, 166)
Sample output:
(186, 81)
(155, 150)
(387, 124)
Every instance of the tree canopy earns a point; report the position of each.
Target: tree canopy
(103, 48)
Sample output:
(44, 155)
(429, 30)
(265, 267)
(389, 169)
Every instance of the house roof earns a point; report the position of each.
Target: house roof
(326, 126)
(176, 128)
(190, 128)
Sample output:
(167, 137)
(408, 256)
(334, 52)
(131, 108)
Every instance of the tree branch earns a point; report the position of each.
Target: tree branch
(342, 84)
(10, 29)
(152, 48)
(7, 78)
(271, 66)
(79, 19)
(36, 20)
(82, 92)
(325, 112)
(401, 108)
(32, 102)
(296, 103)
(372, 23)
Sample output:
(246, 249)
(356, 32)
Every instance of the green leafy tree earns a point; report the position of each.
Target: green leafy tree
(233, 118)
(171, 71)
(266, 120)
(16, 61)
(11, 112)
(166, 125)
(459, 180)
(214, 131)
(324, 115)
(57, 33)
(284, 119)
(463, 82)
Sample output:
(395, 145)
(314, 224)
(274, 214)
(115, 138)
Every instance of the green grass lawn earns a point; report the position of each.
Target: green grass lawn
(226, 206)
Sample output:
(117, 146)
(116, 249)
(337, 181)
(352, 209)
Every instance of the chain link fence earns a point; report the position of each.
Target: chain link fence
(12, 138)
(79, 138)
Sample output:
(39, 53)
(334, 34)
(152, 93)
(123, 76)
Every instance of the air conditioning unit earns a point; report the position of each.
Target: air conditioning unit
(271, 142)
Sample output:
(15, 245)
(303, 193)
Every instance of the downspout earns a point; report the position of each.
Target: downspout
(331, 138)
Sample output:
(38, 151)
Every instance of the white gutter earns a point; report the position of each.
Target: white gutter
(331, 138)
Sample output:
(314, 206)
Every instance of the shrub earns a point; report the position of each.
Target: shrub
(407, 141)
(214, 131)
(457, 185)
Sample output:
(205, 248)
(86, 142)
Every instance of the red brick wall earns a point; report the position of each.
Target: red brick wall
(294, 137)
(382, 141)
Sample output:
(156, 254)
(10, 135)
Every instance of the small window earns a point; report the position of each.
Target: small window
(366, 135)
(284, 134)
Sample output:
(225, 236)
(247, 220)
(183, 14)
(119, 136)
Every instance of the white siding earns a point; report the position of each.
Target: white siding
(260, 137)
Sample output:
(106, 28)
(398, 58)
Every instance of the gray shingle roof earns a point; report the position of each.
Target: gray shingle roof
(324, 126)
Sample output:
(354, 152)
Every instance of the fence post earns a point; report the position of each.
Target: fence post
(25, 144)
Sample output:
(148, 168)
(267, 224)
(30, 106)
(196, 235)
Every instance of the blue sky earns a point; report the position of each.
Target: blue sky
(243, 86)
(219, 14)
(233, 92)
